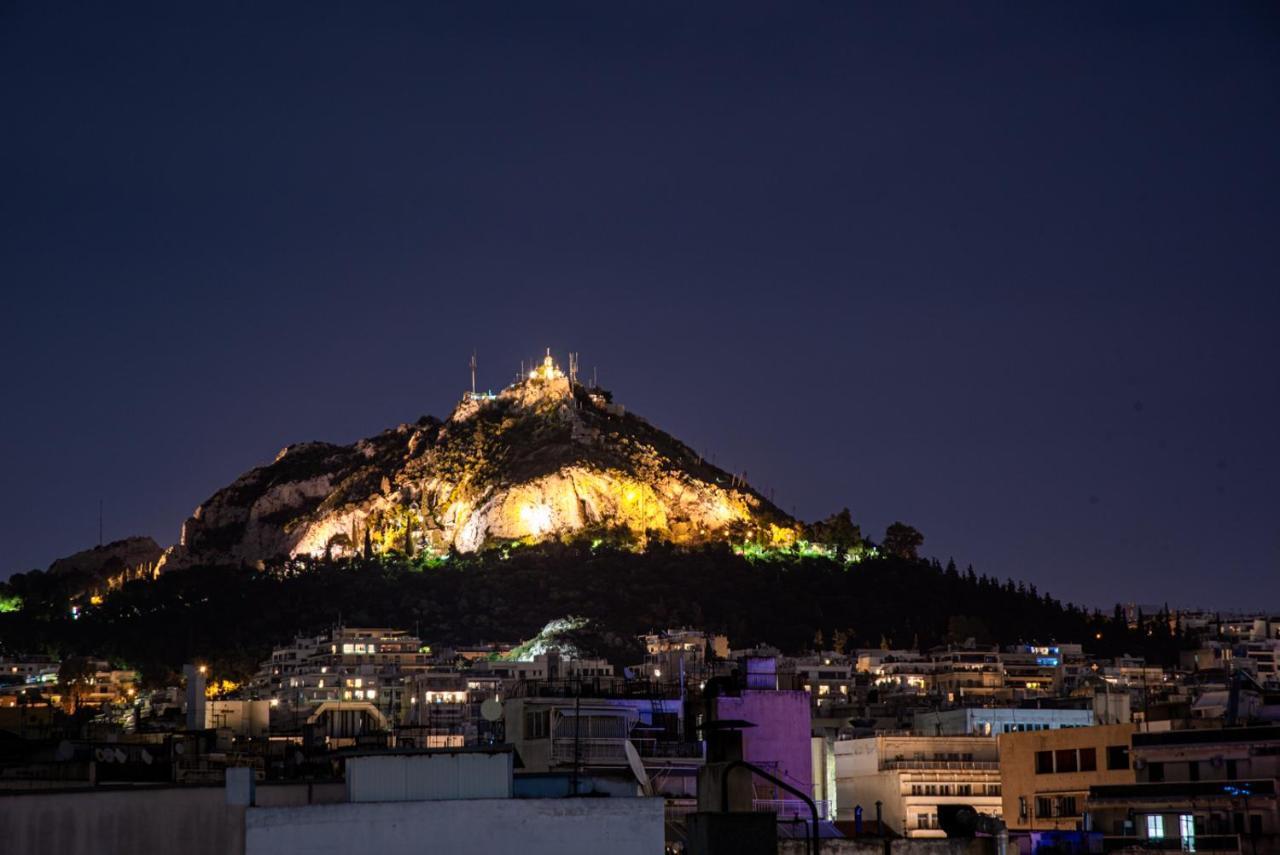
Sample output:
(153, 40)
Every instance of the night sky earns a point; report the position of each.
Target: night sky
(1006, 272)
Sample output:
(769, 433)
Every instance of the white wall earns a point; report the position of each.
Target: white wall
(523, 826)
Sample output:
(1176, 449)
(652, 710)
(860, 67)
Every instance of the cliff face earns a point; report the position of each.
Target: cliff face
(543, 459)
(110, 564)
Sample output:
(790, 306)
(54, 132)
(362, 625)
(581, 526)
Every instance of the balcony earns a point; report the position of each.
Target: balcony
(1217, 844)
(611, 751)
(947, 765)
(789, 810)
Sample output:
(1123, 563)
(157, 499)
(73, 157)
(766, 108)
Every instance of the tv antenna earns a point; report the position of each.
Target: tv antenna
(573, 369)
(473, 373)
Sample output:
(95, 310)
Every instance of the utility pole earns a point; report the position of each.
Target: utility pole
(577, 724)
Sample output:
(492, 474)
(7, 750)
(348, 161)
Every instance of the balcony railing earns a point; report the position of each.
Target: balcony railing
(592, 751)
(982, 765)
(1215, 844)
(610, 751)
(791, 809)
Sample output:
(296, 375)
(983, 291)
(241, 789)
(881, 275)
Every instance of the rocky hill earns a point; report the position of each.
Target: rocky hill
(546, 458)
(110, 563)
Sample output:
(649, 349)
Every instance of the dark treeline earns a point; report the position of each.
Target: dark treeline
(231, 617)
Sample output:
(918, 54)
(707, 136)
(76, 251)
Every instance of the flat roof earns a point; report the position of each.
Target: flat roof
(1207, 737)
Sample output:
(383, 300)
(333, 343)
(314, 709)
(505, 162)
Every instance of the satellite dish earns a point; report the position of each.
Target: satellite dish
(101, 756)
(179, 748)
(65, 751)
(120, 756)
(146, 756)
(637, 767)
(491, 709)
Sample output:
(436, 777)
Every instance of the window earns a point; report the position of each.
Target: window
(1088, 759)
(1193, 770)
(1044, 762)
(1155, 826)
(1117, 757)
(1065, 760)
(537, 724)
(1155, 772)
(1044, 807)
(1067, 806)
(1187, 831)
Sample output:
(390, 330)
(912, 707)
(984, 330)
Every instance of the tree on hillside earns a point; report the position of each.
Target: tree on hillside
(838, 531)
(902, 541)
(76, 675)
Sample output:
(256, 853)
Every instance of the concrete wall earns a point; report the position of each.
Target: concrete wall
(781, 734)
(440, 775)
(190, 820)
(529, 827)
(244, 718)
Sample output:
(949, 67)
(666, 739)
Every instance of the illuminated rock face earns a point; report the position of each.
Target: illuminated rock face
(543, 459)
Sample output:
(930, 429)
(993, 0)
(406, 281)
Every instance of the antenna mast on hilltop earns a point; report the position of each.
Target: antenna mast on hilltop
(473, 373)
(573, 369)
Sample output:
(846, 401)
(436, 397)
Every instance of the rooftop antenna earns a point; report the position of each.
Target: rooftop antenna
(473, 373)
(573, 369)
(99, 522)
(595, 383)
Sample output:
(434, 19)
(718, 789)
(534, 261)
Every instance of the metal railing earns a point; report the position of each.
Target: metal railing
(1201, 843)
(791, 809)
(589, 751)
(611, 751)
(974, 765)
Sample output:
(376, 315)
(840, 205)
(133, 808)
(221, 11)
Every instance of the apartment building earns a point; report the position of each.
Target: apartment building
(1045, 775)
(917, 777)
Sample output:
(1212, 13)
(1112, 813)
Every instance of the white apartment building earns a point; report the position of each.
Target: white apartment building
(345, 664)
(914, 776)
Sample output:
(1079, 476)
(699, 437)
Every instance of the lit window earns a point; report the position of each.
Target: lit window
(359, 682)
(348, 648)
(1187, 831)
(371, 694)
(1155, 826)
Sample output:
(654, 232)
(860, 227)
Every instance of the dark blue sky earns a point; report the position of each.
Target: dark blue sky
(1007, 272)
